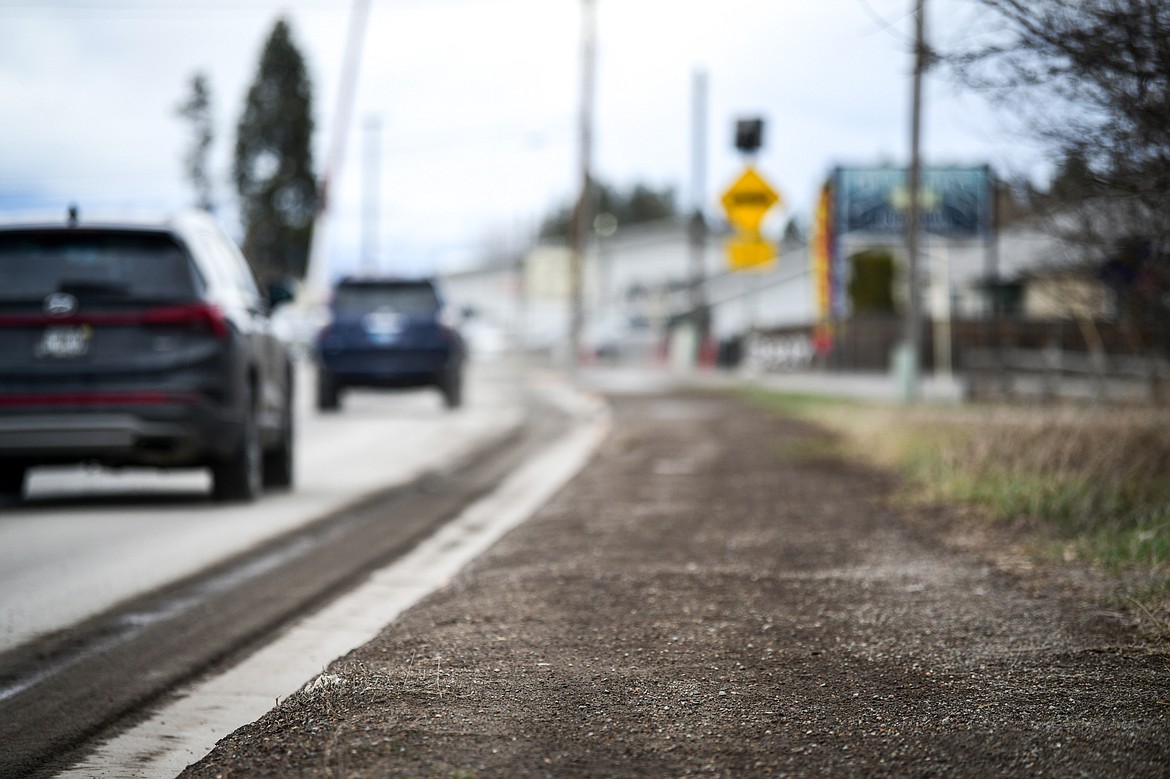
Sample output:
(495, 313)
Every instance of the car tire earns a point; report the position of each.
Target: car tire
(239, 478)
(328, 393)
(12, 478)
(278, 462)
(451, 385)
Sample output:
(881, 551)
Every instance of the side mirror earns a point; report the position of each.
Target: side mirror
(279, 293)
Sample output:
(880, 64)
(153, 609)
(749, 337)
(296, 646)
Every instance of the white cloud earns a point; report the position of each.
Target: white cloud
(477, 100)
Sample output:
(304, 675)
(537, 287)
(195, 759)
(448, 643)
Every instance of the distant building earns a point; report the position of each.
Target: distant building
(638, 291)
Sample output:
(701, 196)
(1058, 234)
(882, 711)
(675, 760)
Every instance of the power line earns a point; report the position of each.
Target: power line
(885, 25)
(460, 137)
(46, 7)
(205, 8)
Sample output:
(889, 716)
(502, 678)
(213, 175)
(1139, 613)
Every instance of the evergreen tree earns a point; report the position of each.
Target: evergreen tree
(641, 204)
(644, 204)
(273, 161)
(793, 233)
(197, 110)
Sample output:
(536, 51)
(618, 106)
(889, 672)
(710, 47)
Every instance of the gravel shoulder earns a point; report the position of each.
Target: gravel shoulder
(708, 598)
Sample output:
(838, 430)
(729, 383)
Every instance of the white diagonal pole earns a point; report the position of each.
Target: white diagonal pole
(317, 274)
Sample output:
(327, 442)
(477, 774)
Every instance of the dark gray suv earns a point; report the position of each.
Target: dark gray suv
(146, 345)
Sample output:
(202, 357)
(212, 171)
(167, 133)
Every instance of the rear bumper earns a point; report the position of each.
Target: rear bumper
(389, 367)
(175, 434)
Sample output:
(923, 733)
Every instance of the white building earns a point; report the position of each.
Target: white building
(636, 290)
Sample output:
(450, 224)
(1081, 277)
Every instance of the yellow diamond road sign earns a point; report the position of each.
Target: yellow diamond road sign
(748, 200)
(750, 252)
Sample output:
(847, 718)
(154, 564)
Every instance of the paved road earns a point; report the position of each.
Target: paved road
(85, 541)
(515, 480)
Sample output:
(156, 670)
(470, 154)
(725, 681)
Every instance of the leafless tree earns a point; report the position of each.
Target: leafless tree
(1093, 76)
(1092, 79)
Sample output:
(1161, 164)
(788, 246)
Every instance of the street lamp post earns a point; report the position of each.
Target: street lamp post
(371, 175)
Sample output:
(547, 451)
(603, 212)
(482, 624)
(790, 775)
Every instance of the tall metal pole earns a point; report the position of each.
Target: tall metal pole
(911, 347)
(583, 213)
(371, 173)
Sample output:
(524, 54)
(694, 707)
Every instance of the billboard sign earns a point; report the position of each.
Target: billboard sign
(956, 202)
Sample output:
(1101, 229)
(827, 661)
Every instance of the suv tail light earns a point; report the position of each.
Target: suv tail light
(197, 317)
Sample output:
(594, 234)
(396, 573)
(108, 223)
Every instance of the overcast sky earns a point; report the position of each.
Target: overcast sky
(477, 102)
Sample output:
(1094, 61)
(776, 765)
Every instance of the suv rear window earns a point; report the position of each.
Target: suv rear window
(100, 266)
(397, 297)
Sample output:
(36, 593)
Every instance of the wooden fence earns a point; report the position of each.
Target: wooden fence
(994, 358)
(1055, 373)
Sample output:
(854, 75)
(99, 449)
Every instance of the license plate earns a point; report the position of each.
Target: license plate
(383, 327)
(64, 343)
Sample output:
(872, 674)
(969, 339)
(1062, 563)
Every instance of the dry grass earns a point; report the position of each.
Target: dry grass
(1097, 480)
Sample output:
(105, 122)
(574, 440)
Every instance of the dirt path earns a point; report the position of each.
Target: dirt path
(707, 599)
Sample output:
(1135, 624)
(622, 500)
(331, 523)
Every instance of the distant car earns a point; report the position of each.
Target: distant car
(129, 344)
(388, 333)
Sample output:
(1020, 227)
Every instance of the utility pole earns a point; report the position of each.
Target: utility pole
(698, 224)
(911, 346)
(582, 214)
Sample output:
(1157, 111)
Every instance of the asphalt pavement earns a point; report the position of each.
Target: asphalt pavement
(200, 713)
(86, 539)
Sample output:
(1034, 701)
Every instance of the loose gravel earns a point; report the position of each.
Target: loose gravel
(709, 598)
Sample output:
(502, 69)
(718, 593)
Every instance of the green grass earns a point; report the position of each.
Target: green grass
(1095, 482)
(795, 404)
(809, 449)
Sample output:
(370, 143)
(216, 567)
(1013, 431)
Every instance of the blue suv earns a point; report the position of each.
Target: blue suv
(388, 333)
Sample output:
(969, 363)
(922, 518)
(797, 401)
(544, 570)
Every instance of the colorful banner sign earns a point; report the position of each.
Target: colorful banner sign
(822, 269)
(822, 254)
